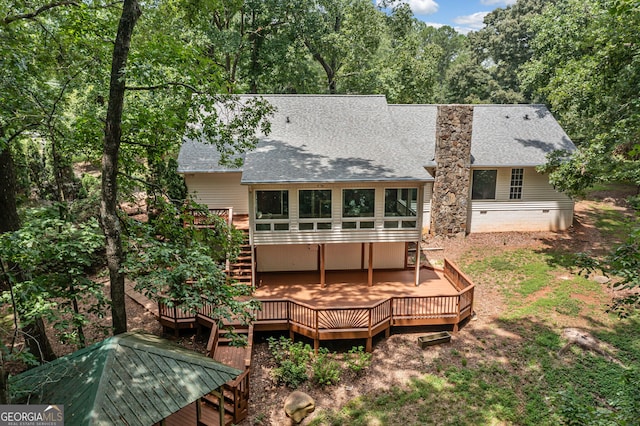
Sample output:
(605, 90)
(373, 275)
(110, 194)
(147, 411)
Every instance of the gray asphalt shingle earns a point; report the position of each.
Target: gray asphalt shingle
(335, 138)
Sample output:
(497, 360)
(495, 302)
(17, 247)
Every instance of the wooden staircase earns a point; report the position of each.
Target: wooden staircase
(241, 270)
(234, 397)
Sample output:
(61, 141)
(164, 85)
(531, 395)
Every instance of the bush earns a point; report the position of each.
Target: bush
(291, 359)
(326, 370)
(358, 360)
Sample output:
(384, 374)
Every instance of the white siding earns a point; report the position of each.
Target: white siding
(426, 209)
(287, 258)
(343, 256)
(219, 190)
(541, 208)
(388, 255)
(305, 257)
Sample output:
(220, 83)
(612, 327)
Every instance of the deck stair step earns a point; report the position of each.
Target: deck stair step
(235, 392)
(241, 270)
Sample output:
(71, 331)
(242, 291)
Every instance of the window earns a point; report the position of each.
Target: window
(358, 202)
(400, 202)
(272, 210)
(484, 185)
(515, 189)
(272, 204)
(315, 203)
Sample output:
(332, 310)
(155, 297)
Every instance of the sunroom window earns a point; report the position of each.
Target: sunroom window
(358, 204)
(400, 203)
(315, 203)
(484, 185)
(272, 210)
(314, 209)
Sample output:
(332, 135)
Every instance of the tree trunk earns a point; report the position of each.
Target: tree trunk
(112, 138)
(9, 220)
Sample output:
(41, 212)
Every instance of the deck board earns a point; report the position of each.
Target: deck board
(231, 355)
(349, 288)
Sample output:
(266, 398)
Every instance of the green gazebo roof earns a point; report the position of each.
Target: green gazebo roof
(136, 377)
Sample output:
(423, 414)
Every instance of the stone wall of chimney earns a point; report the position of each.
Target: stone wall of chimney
(450, 201)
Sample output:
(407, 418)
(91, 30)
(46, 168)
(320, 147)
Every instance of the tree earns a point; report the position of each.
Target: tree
(55, 256)
(342, 36)
(185, 265)
(29, 95)
(406, 66)
(112, 139)
(504, 45)
(585, 65)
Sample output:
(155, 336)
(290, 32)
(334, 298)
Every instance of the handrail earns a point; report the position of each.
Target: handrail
(365, 317)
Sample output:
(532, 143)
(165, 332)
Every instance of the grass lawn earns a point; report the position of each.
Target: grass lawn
(524, 375)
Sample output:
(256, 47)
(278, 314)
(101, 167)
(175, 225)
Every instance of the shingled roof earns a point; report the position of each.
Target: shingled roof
(515, 135)
(134, 377)
(330, 138)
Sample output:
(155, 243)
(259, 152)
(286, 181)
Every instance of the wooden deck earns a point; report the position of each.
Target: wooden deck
(349, 288)
(348, 308)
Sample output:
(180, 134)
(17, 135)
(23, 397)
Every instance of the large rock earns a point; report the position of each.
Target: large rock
(298, 405)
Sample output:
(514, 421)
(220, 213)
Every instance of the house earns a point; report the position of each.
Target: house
(351, 182)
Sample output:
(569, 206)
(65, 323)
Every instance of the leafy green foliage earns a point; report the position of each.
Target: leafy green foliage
(624, 263)
(326, 370)
(180, 264)
(291, 361)
(358, 360)
(55, 259)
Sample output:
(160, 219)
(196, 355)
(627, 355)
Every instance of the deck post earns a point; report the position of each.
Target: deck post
(418, 255)
(322, 266)
(370, 274)
(455, 326)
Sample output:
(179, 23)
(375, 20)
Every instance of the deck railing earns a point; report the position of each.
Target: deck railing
(199, 217)
(364, 321)
(368, 320)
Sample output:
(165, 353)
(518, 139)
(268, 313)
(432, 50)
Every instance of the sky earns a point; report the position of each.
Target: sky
(463, 15)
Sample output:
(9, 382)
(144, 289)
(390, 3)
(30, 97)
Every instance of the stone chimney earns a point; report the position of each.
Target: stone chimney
(450, 201)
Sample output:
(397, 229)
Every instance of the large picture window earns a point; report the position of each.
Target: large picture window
(315, 203)
(517, 179)
(272, 204)
(484, 185)
(400, 202)
(358, 202)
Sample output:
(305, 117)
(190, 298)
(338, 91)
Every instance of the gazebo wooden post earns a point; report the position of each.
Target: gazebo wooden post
(370, 275)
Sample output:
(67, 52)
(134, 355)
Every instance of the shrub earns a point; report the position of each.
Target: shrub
(358, 360)
(326, 370)
(291, 360)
